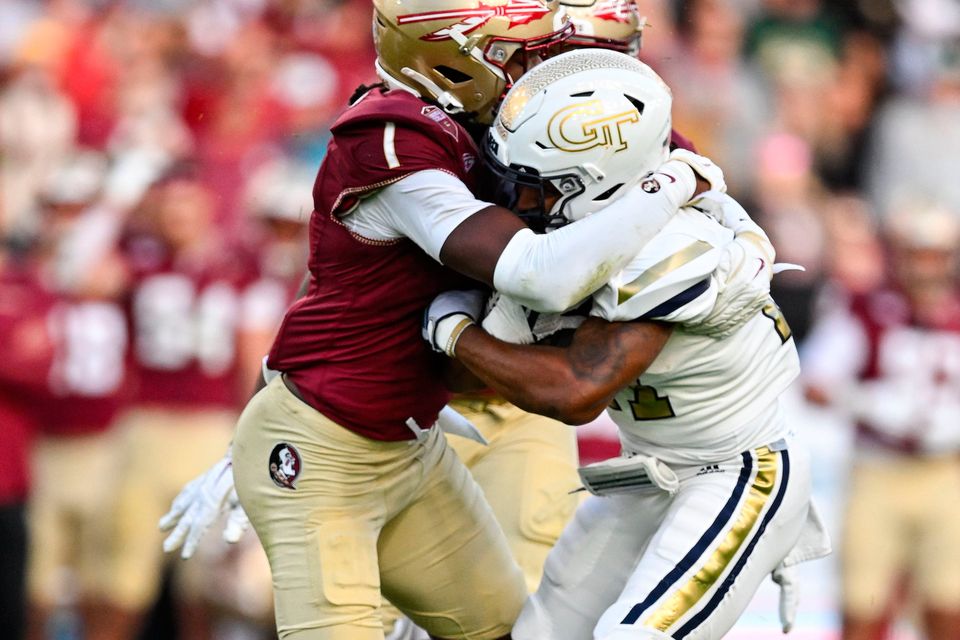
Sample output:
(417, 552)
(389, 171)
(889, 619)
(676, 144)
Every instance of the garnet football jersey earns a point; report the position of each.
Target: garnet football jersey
(352, 345)
(183, 317)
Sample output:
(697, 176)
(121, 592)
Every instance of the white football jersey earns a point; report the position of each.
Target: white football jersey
(702, 398)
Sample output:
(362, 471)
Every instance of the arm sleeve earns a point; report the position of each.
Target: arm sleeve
(554, 272)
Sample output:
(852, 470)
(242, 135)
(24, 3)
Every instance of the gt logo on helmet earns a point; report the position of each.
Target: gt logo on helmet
(574, 128)
(519, 12)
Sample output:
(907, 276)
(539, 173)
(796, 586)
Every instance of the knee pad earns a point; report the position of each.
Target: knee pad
(633, 633)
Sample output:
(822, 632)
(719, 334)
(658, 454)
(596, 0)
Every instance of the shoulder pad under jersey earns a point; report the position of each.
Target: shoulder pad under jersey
(671, 271)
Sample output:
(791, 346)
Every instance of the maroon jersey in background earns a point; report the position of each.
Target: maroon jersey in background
(183, 321)
(916, 365)
(88, 380)
(352, 344)
(26, 350)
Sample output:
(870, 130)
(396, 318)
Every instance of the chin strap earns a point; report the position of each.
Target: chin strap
(446, 99)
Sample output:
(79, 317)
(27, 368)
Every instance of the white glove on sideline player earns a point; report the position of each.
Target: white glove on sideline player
(448, 315)
(199, 504)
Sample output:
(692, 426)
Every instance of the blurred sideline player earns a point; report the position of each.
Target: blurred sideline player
(708, 498)
(359, 391)
(890, 359)
(27, 349)
(184, 293)
(75, 459)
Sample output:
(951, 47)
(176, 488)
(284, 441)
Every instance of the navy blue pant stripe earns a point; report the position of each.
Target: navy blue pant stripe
(696, 620)
(700, 547)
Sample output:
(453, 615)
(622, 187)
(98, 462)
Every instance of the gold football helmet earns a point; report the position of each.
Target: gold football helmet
(607, 24)
(456, 51)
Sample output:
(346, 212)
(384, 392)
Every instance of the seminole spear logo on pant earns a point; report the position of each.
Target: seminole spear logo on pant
(520, 12)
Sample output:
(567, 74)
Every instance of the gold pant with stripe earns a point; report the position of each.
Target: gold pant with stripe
(365, 517)
(903, 520)
(651, 565)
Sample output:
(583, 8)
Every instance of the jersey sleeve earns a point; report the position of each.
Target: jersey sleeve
(425, 206)
(672, 279)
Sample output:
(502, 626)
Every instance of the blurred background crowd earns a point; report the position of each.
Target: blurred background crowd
(156, 162)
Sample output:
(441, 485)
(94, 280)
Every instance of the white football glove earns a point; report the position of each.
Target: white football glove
(199, 504)
(448, 315)
(703, 167)
(789, 595)
(507, 320)
(745, 269)
(510, 321)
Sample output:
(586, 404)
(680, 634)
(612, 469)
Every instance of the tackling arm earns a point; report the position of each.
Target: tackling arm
(555, 271)
(573, 384)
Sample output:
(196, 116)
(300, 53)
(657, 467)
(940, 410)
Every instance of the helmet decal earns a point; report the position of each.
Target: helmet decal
(615, 11)
(520, 12)
(595, 129)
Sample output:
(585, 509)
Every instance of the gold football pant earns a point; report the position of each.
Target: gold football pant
(903, 517)
(350, 517)
(527, 473)
(74, 480)
(161, 450)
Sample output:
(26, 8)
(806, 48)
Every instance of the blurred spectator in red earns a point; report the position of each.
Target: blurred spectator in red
(854, 252)
(184, 301)
(26, 348)
(74, 460)
(890, 358)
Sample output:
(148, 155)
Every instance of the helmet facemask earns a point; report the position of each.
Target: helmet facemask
(552, 193)
(580, 129)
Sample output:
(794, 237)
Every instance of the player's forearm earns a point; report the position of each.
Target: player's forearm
(573, 384)
(554, 272)
(537, 379)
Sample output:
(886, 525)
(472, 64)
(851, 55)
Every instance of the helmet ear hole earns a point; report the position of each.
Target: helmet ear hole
(454, 76)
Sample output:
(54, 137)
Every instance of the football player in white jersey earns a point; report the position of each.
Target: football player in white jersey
(709, 497)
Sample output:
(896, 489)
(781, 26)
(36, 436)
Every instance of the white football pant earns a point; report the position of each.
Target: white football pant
(648, 565)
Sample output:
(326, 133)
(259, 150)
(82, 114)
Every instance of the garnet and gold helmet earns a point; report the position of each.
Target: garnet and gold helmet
(607, 24)
(456, 51)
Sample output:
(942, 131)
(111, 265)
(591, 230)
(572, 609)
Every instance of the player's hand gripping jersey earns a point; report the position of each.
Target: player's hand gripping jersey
(702, 396)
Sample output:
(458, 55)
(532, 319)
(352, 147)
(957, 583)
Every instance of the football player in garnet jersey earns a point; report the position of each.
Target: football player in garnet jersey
(890, 360)
(709, 497)
(375, 501)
